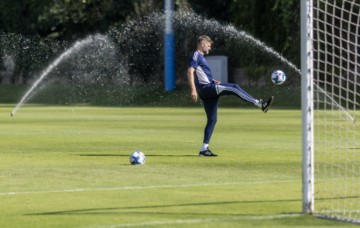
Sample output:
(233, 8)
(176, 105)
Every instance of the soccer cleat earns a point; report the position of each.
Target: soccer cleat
(265, 105)
(207, 153)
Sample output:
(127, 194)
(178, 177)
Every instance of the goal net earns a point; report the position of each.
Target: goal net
(334, 64)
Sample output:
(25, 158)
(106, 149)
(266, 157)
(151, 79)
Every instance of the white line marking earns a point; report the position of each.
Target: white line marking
(205, 220)
(143, 187)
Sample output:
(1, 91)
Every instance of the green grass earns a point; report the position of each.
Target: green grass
(69, 167)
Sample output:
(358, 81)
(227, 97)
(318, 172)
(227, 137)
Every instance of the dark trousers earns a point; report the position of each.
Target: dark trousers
(210, 94)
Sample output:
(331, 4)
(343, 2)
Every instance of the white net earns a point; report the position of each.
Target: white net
(336, 73)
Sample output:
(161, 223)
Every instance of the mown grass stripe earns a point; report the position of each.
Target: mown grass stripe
(144, 187)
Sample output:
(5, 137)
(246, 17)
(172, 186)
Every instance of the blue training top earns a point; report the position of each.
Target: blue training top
(203, 74)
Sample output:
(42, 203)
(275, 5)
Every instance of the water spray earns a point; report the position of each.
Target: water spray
(77, 46)
(131, 34)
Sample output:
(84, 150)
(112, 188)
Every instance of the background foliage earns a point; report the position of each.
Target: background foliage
(36, 31)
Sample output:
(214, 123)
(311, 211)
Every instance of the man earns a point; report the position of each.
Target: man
(203, 84)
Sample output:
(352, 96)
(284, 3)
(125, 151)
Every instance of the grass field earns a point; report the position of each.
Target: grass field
(69, 167)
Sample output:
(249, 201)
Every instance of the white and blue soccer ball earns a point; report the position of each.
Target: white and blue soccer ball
(278, 77)
(137, 158)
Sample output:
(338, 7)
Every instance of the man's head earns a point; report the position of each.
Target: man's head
(204, 43)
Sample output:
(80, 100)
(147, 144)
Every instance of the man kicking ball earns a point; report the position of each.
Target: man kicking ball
(202, 84)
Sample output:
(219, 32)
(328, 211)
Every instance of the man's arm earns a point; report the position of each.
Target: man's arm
(190, 76)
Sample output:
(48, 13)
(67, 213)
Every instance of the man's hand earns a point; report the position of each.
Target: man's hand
(216, 82)
(194, 95)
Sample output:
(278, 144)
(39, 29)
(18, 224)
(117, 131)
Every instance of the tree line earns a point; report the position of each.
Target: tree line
(60, 22)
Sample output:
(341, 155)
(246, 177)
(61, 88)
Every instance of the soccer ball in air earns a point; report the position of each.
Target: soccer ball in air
(278, 77)
(137, 158)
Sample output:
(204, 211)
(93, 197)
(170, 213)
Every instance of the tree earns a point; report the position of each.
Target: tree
(218, 9)
(18, 16)
(275, 22)
(72, 19)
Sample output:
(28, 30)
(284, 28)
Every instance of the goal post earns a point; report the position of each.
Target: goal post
(330, 67)
(307, 108)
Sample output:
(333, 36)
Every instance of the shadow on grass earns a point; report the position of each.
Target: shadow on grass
(137, 209)
(148, 155)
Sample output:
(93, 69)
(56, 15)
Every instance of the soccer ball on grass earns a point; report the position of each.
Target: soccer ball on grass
(137, 158)
(278, 77)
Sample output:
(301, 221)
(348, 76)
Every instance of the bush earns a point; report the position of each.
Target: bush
(140, 95)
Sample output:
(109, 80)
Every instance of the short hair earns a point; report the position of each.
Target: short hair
(204, 38)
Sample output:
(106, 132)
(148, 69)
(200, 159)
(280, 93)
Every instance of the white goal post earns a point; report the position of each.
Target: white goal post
(307, 107)
(330, 94)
